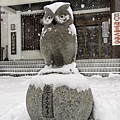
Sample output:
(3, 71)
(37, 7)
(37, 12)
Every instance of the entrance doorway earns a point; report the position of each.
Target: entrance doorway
(92, 44)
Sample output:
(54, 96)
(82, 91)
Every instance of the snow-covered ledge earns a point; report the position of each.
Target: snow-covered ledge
(67, 75)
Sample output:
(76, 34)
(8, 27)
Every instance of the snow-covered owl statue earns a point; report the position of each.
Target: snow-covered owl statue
(58, 40)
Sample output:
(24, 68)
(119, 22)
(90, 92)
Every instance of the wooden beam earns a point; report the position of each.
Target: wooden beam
(32, 12)
(79, 22)
(91, 11)
(18, 2)
(8, 10)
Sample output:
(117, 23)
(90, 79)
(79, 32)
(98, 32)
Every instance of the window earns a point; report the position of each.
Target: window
(31, 30)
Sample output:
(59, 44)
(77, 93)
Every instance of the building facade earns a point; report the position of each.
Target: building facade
(21, 29)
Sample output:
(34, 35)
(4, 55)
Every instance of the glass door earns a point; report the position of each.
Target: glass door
(81, 43)
(88, 42)
(93, 43)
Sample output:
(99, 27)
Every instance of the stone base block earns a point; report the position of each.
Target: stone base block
(63, 103)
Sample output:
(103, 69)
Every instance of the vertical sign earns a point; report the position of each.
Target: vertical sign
(105, 29)
(47, 102)
(116, 28)
(13, 43)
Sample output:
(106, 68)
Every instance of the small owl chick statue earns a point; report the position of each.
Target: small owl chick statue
(58, 40)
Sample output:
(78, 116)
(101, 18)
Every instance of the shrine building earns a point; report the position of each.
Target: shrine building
(98, 35)
(21, 28)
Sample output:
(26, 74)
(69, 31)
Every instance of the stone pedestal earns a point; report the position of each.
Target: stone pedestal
(62, 100)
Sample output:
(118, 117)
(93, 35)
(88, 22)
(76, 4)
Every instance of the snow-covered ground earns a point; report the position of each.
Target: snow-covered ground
(106, 93)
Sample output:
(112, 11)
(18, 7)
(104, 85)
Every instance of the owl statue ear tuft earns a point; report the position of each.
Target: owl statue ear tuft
(46, 9)
(65, 6)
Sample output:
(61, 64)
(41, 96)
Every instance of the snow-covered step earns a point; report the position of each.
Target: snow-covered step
(20, 70)
(17, 74)
(103, 74)
(21, 62)
(87, 67)
(23, 66)
(99, 61)
(99, 69)
(98, 64)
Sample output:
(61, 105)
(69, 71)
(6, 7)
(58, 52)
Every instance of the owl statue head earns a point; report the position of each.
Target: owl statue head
(58, 13)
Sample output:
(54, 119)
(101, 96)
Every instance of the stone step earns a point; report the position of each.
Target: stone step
(103, 74)
(86, 67)
(99, 69)
(21, 62)
(41, 65)
(23, 66)
(20, 70)
(81, 69)
(17, 74)
(99, 61)
(98, 64)
(35, 67)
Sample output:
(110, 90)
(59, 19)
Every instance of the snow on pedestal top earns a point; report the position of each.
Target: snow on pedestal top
(68, 75)
(66, 69)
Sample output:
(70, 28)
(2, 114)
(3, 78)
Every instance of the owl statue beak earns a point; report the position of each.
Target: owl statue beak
(54, 22)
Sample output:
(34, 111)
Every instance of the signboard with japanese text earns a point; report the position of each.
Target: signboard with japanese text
(116, 28)
(13, 43)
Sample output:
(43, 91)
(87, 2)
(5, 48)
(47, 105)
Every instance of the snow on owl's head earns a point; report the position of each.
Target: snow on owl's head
(58, 13)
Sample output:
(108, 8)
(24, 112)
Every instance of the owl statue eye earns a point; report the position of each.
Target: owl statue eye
(48, 19)
(62, 18)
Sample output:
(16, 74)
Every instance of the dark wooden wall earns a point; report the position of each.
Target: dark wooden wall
(75, 4)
